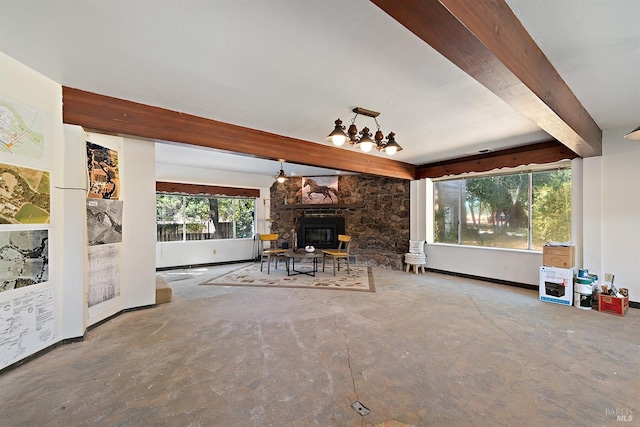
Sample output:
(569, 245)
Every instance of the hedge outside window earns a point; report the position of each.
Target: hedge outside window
(181, 217)
(516, 211)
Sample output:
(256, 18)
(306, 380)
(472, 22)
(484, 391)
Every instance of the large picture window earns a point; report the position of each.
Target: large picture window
(201, 218)
(518, 211)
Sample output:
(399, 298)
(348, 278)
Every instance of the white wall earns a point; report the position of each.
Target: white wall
(65, 159)
(418, 204)
(619, 249)
(172, 254)
(21, 85)
(114, 305)
(136, 162)
(502, 264)
(592, 213)
(577, 217)
(139, 223)
(74, 179)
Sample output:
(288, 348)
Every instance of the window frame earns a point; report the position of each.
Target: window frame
(183, 221)
(461, 201)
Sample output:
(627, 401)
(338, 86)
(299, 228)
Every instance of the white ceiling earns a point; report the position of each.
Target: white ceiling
(291, 67)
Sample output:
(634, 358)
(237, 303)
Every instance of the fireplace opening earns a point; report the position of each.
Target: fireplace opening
(322, 233)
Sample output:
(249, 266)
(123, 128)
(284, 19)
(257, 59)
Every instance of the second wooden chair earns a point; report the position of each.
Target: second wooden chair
(338, 254)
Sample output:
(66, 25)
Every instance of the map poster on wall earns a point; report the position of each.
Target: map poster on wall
(104, 178)
(27, 324)
(104, 221)
(24, 258)
(103, 270)
(21, 129)
(25, 195)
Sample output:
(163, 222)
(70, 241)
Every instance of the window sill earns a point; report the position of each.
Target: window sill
(491, 248)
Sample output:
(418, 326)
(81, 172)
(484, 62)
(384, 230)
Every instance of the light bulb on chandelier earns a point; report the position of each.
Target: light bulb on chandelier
(338, 136)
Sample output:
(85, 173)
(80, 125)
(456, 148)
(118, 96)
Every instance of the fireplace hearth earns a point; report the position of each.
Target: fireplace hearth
(322, 233)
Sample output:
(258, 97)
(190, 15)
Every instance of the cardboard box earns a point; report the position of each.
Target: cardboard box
(614, 305)
(556, 285)
(559, 256)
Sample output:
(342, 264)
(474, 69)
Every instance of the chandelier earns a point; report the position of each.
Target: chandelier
(338, 137)
(281, 177)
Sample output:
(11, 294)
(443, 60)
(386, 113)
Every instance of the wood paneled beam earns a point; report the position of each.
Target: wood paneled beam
(208, 190)
(486, 40)
(125, 118)
(544, 152)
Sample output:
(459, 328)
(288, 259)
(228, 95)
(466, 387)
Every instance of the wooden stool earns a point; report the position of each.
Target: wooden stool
(417, 260)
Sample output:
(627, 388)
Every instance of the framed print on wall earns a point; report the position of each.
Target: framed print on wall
(320, 190)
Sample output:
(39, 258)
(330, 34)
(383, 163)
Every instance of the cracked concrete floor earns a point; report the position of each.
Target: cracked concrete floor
(424, 350)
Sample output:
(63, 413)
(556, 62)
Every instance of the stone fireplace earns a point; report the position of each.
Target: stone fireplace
(322, 233)
(373, 210)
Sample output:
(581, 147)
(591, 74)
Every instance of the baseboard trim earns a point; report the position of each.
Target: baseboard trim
(114, 315)
(210, 264)
(485, 279)
(39, 353)
(66, 341)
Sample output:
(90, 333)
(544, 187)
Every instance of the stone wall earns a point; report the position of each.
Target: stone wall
(379, 223)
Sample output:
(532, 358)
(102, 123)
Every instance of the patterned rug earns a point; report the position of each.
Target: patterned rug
(359, 279)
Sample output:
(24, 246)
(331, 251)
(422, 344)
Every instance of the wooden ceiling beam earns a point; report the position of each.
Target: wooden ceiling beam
(541, 153)
(487, 41)
(125, 118)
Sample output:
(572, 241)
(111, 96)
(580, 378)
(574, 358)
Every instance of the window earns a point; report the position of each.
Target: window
(517, 211)
(201, 218)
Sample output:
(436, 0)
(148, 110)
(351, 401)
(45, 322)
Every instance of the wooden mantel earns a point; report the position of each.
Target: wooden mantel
(322, 206)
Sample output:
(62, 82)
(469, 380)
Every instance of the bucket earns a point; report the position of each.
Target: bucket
(582, 292)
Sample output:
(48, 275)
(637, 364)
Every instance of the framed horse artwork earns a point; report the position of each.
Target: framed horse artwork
(320, 190)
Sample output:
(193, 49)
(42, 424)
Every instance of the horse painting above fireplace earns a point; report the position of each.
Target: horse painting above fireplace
(320, 190)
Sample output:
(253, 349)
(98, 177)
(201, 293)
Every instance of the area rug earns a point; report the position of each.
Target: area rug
(359, 279)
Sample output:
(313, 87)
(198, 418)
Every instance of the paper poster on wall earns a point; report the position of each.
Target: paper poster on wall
(104, 176)
(21, 129)
(25, 195)
(24, 258)
(103, 273)
(104, 221)
(320, 190)
(27, 324)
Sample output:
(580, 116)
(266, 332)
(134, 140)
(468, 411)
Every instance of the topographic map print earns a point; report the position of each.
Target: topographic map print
(21, 129)
(104, 221)
(25, 195)
(24, 258)
(27, 323)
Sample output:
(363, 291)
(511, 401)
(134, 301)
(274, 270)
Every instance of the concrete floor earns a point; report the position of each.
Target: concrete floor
(424, 350)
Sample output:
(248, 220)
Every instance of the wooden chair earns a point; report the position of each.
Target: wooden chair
(271, 251)
(337, 254)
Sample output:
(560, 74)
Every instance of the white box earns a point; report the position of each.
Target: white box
(556, 285)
